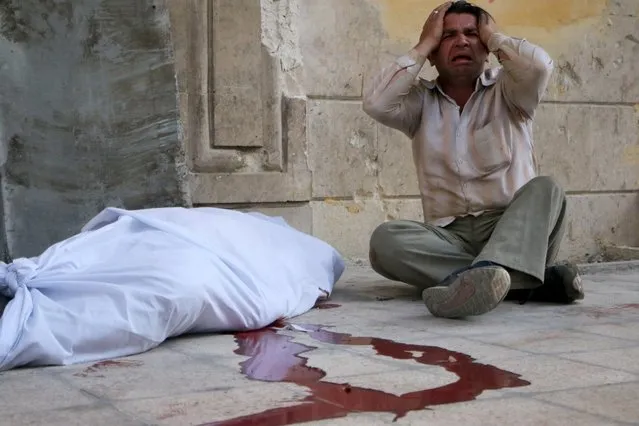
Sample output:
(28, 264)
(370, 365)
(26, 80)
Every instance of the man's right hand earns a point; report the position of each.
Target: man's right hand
(432, 32)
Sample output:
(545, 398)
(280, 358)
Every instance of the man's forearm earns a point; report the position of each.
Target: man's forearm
(394, 81)
(527, 70)
(522, 60)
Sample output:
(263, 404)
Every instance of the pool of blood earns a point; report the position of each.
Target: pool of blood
(275, 357)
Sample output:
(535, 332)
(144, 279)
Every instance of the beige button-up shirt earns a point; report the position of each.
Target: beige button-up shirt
(474, 161)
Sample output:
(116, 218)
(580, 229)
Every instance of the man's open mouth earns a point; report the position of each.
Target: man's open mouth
(462, 58)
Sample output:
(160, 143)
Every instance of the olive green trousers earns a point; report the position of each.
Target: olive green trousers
(524, 238)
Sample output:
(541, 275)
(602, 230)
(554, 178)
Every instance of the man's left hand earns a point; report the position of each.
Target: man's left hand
(487, 27)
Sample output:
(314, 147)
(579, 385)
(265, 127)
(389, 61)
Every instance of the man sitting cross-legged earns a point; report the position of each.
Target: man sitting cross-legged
(491, 225)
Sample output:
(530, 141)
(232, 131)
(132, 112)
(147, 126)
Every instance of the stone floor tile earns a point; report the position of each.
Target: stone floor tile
(571, 355)
(510, 411)
(605, 311)
(401, 381)
(339, 363)
(158, 373)
(73, 416)
(618, 402)
(552, 317)
(357, 419)
(371, 313)
(204, 346)
(482, 352)
(500, 320)
(336, 359)
(626, 359)
(402, 332)
(207, 407)
(548, 373)
(626, 330)
(31, 390)
(554, 341)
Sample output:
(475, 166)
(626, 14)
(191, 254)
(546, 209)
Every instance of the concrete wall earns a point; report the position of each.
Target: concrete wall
(271, 95)
(88, 114)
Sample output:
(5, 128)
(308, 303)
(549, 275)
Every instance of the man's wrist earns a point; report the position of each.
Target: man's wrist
(425, 48)
(486, 36)
(494, 41)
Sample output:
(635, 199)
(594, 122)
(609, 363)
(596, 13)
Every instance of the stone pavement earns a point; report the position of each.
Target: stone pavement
(532, 364)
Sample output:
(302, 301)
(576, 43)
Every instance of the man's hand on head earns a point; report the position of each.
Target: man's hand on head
(487, 27)
(432, 31)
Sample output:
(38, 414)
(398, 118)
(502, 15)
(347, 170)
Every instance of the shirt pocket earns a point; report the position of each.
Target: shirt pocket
(489, 151)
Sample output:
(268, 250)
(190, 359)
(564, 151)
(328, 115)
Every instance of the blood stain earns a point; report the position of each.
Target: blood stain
(599, 312)
(327, 306)
(275, 357)
(103, 365)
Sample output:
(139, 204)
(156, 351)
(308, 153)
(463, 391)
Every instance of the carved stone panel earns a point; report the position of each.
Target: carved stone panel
(236, 72)
(245, 141)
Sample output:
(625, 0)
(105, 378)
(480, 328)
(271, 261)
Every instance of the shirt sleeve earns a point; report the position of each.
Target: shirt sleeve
(526, 72)
(395, 97)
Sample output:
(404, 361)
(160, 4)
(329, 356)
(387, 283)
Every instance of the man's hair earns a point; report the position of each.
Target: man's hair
(462, 6)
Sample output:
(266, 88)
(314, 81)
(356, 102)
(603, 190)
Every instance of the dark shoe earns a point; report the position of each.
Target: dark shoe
(562, 284)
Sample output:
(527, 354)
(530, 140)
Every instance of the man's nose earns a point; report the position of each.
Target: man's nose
(462, 41)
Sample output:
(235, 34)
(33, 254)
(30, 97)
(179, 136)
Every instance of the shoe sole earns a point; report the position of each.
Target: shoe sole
(474, 292)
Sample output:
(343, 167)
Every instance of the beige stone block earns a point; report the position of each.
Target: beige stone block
(342, 149)
(266, 185)
(237, 72)
(190, 39)
(593, 222)
(589, 147)
(627, 8)
(597, 221)
(600, 65)
(621, 253)
(347, 225)
(340, 43)
(404, 209)
(299, 217)
(228, 188)
(397, 174)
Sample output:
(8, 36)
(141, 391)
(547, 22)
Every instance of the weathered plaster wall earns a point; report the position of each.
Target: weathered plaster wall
(310, 154)
(88, 114)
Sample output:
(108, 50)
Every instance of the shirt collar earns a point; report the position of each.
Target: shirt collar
(486, 79)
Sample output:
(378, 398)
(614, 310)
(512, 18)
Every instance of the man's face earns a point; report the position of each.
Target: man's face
(461, 53)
